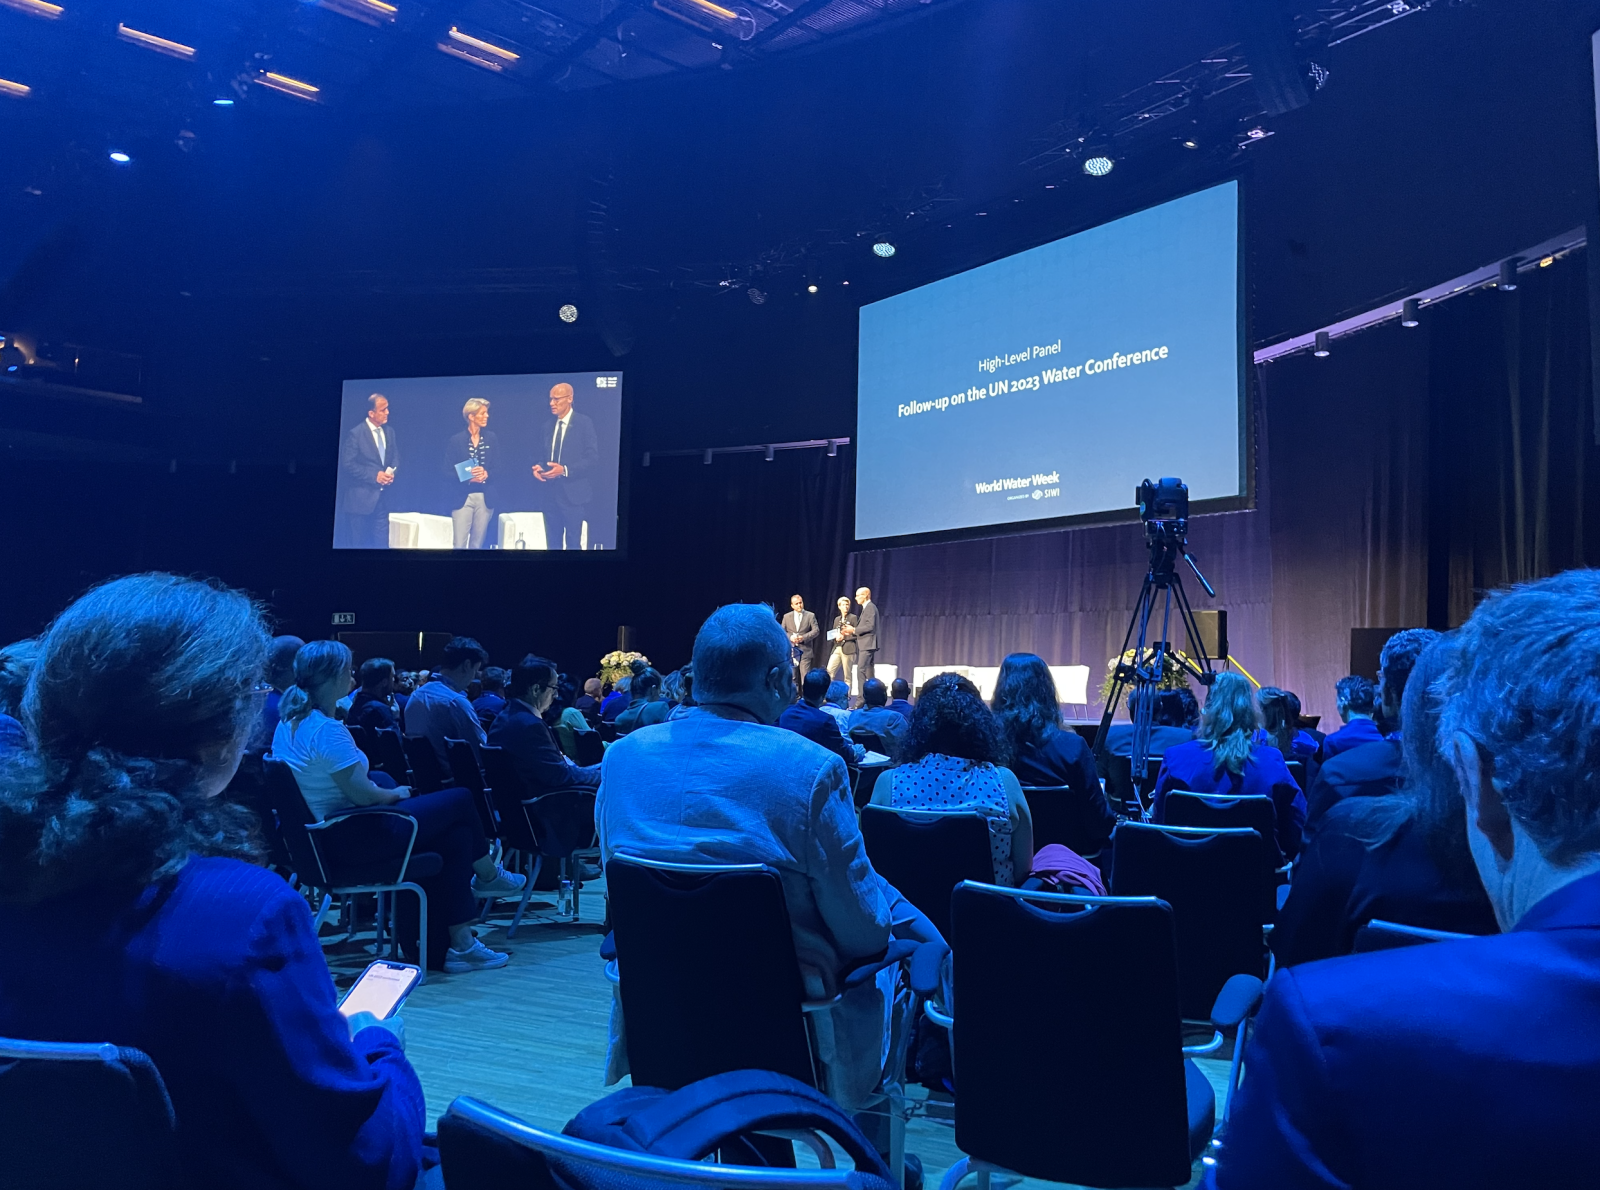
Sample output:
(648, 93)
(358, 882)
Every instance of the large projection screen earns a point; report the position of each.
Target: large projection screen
(1049, 383)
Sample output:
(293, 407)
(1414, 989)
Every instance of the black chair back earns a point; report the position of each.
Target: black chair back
(388, 754)
(84, 1115)
(361, 736)
(291, 817)
(506, 792)
(1220, 888)
(1386, 935)
(428, 774)
(1046, 968)
(588, 748)
(926, 853)
(708, 975)
(1067, 816)
(869, 739)
(1254, 812)
(464, 771)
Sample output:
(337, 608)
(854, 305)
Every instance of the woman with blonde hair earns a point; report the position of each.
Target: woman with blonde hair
(470, 458)
(1227, 758)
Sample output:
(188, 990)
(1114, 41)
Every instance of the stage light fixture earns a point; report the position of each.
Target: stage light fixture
(812, 288)
(161, 45)
(883, 248)
(486, 63)
(17, 90)
(1190, 142)
(1547, 262)
(757, 296)
(568, 313)
(222, 103)
(1408, 313)
(1508, 274)
(833, 450)
(11, 357)
(35, 8)
(285, 85)
(487, 47)
(119, 157)
(1322, 349)
(769, 454)
(1098, 166)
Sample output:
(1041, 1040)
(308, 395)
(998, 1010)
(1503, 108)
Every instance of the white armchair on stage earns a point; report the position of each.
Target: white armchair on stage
(419, 531)
(1072, 681)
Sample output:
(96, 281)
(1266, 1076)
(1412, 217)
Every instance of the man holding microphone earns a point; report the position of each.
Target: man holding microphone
(367, 465)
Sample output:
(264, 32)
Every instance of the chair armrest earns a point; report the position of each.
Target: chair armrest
(608, 946)
(900, 949)
(927, 968)
(1239, 997)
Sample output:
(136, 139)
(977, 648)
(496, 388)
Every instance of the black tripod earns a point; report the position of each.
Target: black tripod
(1167, 539)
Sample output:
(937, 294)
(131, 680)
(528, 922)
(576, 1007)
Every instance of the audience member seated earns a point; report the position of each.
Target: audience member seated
(617, 701)
(723, 785)
(16, 663)
(649, 705)
(807, 718)
(900, 698)
(1372, 770)
(1169, 724)
(492, 701)
(874, 715)
(588, 703)
(682, 695)
(333, 777)
(951, 760)
(279, 677)
(374, 707)
(1401, 858)
(520, 730)
(161, 932)
(1280, 725)
(837, 703)
(439, 710)
(1227, 759)
(570, 720)
(1042, 750)
(1475, 1063)
(1358, 707)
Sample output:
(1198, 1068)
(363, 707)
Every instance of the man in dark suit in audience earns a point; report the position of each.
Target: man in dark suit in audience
(1372, 769)
(900, 697)
(1473, 1063)
(373, 706)
(876, 716)
(574, 452)
(807, 718)
(367, 465)
(529, 744)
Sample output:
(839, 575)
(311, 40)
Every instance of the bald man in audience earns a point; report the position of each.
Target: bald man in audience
(574, 454)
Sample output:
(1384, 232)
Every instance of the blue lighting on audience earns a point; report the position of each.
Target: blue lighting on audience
(120, 157)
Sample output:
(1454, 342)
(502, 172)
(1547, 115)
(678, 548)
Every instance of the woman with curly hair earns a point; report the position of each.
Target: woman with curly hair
(132, 911)
(953, 758)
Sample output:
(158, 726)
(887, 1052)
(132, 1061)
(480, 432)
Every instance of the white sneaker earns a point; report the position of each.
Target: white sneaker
(504, 884)
(477, 958)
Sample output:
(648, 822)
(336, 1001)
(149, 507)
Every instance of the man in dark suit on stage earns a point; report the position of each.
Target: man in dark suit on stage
(366, 468)
(800, 626)
(574, 458)
(866, 633)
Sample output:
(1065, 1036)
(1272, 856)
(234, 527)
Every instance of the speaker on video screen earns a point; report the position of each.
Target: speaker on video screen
(1213, 627)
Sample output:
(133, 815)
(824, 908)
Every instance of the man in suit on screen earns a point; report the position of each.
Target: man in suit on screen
(367, 463)
(574, 454)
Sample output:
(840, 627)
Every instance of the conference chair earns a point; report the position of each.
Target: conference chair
(75, 1114)
(926, 853)
(1067, 816)
(869, 739)
(484, 1148)
(1129, 795)
(588, 748)
(704, 961)
(1378, 934)
(388, 754)
(1036, 973)
(361, 736)
(464, 771)
(428, 774)
(1255, 812)
(558, 826)
(1218, 885)
(368, 851)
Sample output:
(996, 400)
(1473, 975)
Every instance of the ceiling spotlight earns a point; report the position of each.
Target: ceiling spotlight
(1321, 350)
(487, 47)
(285, 85)
(35, 8)
(119, 157)
(757, 296)
(811, 288)
(883, 248)
(1098, 166)
(1508, 274)
(1408, 313)
(222, 103)
(568, 313)
(769, 454)
(161, 45)
(19, 90)
(1189, 142)
(1547, 262)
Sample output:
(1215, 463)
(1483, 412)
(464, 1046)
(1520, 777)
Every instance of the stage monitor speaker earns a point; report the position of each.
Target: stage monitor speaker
(1366, 646)
(1213, 627)
(408, 650)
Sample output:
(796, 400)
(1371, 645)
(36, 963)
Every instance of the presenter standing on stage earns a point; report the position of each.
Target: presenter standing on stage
(843, 657)
(866, 633)
(574, 459)
(469, 457)
(802, 630)
(367, 464)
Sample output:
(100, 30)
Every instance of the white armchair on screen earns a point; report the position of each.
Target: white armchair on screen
(527, 527)
(420, 531)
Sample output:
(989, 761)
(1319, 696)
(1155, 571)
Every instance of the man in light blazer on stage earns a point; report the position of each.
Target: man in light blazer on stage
(801, 628)
(367, 463)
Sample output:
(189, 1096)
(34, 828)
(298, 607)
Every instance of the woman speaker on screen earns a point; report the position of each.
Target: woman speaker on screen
(471, 460)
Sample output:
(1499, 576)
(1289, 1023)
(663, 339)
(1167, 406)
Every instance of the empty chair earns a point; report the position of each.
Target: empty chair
(1220, 890)
(926, 853)
(1067, 816)
(1185, 808)
(83, 1115)
(1035, 977)
(361, 736)
(464, 771)
(558, 826)
(588, 748)
(428, 774)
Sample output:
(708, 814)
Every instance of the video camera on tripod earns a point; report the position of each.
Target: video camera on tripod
(1164, 508)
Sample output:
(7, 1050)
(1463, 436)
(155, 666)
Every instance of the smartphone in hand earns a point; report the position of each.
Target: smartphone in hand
(381, 989)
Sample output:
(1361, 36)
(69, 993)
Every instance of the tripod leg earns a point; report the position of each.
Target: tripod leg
(1140, 617)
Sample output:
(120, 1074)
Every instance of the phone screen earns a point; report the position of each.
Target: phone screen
(380, 989)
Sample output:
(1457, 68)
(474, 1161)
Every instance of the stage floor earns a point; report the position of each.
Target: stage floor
(530, 1038)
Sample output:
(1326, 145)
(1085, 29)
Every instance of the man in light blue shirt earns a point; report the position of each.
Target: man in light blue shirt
(440, 710)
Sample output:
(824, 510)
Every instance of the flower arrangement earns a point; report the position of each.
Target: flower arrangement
(1173, 674)
(618, 664)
